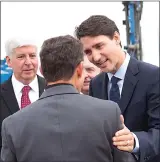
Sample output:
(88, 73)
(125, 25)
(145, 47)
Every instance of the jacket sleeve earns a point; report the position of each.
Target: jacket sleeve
(149, 140)
(118, 155)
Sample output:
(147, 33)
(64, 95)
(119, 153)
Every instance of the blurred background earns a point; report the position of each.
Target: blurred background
(137, 21)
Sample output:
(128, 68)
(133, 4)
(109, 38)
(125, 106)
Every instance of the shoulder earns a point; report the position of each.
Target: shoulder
(20, 117)
(146, 71)
(148, 67)
(99, 105)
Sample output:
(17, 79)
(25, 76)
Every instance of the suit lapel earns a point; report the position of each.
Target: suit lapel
(9, 97)
(42, 84)
(104, 86)
(129, 84)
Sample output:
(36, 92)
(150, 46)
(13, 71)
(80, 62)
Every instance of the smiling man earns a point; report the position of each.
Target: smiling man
(90, 72)
(24, 86)
(131, 83)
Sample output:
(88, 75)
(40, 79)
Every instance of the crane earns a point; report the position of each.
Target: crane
(133, 12)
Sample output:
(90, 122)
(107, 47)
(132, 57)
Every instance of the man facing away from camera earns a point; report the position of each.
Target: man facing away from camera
(63, 125)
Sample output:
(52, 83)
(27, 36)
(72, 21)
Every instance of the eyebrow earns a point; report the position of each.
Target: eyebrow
(93, 46)
(99, 43)
(25, 54)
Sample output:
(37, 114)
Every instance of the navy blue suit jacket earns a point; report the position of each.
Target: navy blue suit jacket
(140, 103)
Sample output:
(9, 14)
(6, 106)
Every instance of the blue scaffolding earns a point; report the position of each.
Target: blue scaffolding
(6, 72)
(133, 12)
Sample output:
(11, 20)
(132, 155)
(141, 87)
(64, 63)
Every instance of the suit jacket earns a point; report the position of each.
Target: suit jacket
(140, 103)
(8, 101)
(155, 158)
(63, 125)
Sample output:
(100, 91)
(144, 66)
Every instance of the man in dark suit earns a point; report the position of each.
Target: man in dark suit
(133, 84)
(63, 125)
(22, 58)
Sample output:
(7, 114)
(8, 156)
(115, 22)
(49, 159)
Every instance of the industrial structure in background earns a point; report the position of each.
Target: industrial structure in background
(6, 71)
(133, 12)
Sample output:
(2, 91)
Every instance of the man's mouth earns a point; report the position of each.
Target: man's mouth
(86, 82)
(28, 70)
(100, 64)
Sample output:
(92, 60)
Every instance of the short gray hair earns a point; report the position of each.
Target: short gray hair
(13, 43)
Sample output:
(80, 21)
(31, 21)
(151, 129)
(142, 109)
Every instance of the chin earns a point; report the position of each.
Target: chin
(109, 70)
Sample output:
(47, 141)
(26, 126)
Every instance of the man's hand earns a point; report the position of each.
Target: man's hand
(124, 139)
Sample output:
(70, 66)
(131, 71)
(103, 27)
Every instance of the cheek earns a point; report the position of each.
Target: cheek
(89, 58)
(35, 64)
(93, 75)
(17, 65)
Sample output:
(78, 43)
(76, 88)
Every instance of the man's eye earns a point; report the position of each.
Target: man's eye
(99, 46)
(87, 52)
(33, 56)
(20, 56)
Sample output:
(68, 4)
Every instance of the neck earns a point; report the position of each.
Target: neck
(60, 81)
(24, 81)
(121, 60)
(71, 81)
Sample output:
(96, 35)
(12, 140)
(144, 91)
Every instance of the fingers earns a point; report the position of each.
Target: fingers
(124, 143)
(122, 119)
(123, 131)
(123, 138)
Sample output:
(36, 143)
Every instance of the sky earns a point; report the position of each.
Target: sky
(42, 20)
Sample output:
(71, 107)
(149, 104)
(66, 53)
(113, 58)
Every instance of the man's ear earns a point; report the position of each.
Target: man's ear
(79, 69)
(116, 37)
(8, 60)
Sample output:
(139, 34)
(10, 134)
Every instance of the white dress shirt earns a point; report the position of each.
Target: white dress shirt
(33, 93)
(121, 75)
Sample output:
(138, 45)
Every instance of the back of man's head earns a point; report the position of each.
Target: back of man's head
(60, 56)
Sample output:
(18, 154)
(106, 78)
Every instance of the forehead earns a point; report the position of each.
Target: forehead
(25, 49)
(90, 42)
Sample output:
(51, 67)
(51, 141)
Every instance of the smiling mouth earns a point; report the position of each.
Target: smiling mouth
(101, 63)
(86, 82)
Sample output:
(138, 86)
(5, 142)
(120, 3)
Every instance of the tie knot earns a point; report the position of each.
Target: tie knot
(25, 90)
(114, 80)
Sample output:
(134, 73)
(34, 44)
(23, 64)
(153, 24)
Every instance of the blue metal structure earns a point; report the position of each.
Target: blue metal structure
(6, 72)
(133, 11)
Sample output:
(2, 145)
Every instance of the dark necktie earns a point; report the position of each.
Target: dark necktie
(25, 96)
(114, 91)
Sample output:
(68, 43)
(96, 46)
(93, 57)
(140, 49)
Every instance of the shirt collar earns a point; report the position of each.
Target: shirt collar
(122, 70)
(34, 84)
(17, 85)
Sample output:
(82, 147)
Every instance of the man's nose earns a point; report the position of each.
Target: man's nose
(96, 56)
(27, 61)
